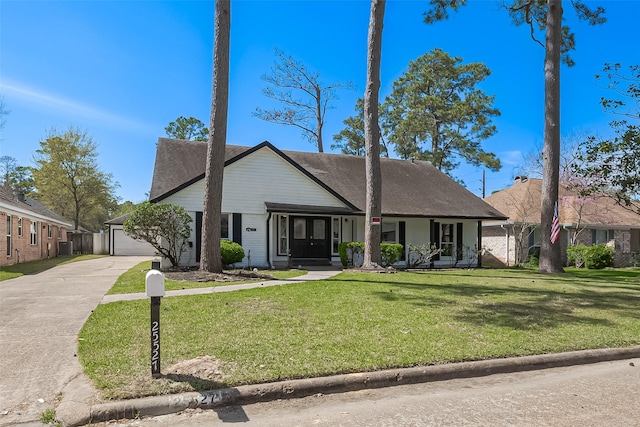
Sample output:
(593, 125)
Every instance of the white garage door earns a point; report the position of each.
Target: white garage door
(125, 245)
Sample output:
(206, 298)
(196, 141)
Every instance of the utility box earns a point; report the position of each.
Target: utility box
(154, 281)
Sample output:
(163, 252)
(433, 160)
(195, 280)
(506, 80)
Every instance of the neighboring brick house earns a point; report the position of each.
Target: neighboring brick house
(31, 230)
(584, 220)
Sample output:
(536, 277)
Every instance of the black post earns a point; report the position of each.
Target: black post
(155, 337)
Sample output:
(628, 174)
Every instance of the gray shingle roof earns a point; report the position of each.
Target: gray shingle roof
(32, 205)
(409, 188)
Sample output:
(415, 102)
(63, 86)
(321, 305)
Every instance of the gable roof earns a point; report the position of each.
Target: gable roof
(522, 203)
(118, 220)
(409, 188)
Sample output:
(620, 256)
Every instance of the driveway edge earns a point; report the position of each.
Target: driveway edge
(73, 413)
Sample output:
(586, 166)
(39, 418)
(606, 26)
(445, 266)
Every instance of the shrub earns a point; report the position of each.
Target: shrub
(421, 254)
(231, 252)
(352, 251)
(576, 255)
(342, 251)
(534, 258)
(391, 253)
(592, 257)
(599, 257)
(164, 226)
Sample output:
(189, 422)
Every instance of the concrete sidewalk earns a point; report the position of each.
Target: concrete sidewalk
(40, 318)
(313, 273)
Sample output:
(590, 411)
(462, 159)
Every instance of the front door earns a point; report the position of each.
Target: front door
(310, 237)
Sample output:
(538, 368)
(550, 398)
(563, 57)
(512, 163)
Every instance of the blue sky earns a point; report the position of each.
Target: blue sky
(122, 70)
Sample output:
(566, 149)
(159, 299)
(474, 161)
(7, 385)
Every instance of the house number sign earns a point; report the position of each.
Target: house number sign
(155, 289)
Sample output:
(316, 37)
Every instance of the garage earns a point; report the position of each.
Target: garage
(121, 244)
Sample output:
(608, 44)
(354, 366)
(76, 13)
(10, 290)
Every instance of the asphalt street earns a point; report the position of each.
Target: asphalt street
(594, 395)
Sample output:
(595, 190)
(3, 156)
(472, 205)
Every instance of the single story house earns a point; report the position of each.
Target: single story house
(583, 220)
(295, 208)
(32, 231)
(121, 244)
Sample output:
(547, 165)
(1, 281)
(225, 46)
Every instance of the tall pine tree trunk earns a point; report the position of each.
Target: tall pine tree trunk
(372, 234)
(210, 259)
(550, 254)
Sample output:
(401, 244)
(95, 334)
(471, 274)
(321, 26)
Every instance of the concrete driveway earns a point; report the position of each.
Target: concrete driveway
(40, 318)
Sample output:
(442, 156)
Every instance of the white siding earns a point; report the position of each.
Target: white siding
(262, 176)
(254, 241)
(417, 231)
(265, 176)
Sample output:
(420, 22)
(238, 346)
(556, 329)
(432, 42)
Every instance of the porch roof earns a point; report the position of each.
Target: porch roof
(307, 209)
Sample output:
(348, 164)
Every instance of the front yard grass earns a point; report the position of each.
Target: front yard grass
(133, 281)
(361, 322)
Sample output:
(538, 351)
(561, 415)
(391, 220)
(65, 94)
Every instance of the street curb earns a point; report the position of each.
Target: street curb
(84, 413)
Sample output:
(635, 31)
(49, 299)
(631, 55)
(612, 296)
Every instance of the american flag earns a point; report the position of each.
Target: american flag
(555, 224)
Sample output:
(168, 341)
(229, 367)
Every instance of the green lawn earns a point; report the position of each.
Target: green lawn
(35, 267)
(133, 281)
(361, 322)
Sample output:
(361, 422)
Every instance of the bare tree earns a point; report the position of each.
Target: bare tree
(211, 259)
(373, 209)
(304, 98)
(571, 152)
(523, 224)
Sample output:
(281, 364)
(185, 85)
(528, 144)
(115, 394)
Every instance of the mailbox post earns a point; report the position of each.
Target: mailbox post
(154, 283)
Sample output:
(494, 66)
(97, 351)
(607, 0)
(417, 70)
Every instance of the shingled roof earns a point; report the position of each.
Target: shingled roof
(32, 205)
(409, 188)
(522, 203)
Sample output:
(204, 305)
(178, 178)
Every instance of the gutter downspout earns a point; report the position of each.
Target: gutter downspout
(507, 245)
(269, 264)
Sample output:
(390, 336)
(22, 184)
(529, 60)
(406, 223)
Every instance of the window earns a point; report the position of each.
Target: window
(59, 232)
(224, 226)
(601, 236)
(319, 229)
(49, 231)
(19, 227)
(388, 232)
(33, 232)
(335, 235)
(8, 235)
(283, 235)
(446, 239)
(299, 228)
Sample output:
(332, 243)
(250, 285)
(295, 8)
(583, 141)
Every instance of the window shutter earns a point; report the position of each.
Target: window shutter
(402, 238)
(594, 236)
(459, 241)
(434, 232)
(237, 228)
(198, 234)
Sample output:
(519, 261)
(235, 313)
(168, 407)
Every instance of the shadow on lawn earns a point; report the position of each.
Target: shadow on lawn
(519, 307)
